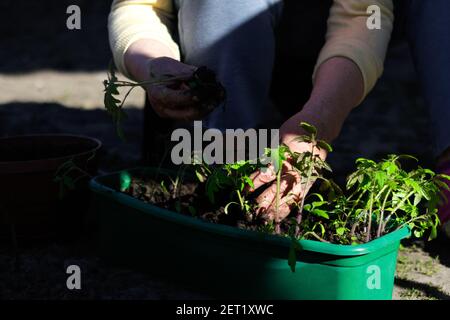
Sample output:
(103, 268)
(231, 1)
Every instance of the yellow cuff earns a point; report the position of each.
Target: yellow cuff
(127, 24)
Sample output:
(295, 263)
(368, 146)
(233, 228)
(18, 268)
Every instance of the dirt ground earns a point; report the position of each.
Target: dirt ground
(51, 82)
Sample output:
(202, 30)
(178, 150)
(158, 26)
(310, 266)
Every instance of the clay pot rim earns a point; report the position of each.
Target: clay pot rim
(45, 164)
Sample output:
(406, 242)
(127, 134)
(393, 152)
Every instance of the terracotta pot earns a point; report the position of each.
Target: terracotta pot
(31, 205)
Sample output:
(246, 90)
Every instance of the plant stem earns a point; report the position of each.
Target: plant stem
(241, 200)
(369, 226)
(277, 200)
(315, 235)
(308, 178)
(126, 96)
(381, 192)
(355, 204)
(352, 232)
(148, 82)
(380, 223)
(411, 220)
(277, 228)
(395, 209)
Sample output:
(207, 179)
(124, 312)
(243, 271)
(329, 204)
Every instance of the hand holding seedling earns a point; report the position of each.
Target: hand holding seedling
(290, 177)
(337, 89)
(191, 93)
(172, 99)
(175, 90)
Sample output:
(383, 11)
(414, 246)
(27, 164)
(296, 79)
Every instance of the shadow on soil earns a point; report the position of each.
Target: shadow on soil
(429, 290)
(440, 249)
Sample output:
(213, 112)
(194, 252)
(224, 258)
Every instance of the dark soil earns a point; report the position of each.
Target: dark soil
(205, 88)
(190, 199)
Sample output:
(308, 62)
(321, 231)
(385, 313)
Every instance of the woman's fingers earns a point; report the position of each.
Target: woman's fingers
(287, 202)
(162, 67)
(170, 98)
(266, 175)
(267, 201)
(262, 177)
(174, 104)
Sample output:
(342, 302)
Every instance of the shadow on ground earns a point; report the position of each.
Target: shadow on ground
(19, 118)
(35, 36)
(427, 290)
(439, 249)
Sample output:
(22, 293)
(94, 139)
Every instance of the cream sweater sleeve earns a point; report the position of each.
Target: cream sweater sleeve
(348, 36)
(131, 20)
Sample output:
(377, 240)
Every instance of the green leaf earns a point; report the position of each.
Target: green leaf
(418, 233)
(228, 205)
(308, 128)
(407, 156)
(292, 257)
(249, 182)
(322, 229)
(200, 177)
(318, 195)
(324, 145)
(113, 89)
(442, 185)
(111, 69)
(413, 184)
(380, 178)
(277, 156)
(389, 167)
(340, 231)
(429, 172)
(320, 213)
(325, 165)
(365, 163)
(125, 181)
(433, 233)
(417, 199)
(317, 204)
(352, 179)
(443, 176)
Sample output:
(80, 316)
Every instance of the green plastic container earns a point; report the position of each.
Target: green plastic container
(232, 263)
